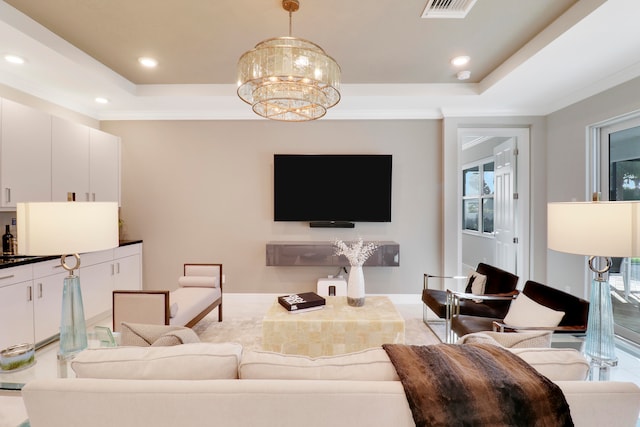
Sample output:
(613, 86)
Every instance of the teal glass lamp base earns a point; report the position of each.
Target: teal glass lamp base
(73, 330)
(600, 345)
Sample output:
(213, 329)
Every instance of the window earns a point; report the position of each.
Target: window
(477, 198)
(620, 175)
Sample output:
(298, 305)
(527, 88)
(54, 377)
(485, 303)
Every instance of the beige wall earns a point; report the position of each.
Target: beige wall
(201, 191)
(567, 161)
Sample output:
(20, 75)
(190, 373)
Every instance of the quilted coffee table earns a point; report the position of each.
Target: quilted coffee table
(336, 329)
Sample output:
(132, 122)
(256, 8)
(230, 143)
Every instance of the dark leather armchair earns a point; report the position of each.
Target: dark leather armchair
(499, 282)
(574, 321)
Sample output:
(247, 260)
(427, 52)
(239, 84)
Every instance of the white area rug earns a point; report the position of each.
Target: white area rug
(248, 332)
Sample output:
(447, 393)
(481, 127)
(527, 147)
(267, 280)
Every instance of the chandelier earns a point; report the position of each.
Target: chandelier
(287, 78)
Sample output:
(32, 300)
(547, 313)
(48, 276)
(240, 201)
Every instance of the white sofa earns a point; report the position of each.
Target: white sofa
(206, 384)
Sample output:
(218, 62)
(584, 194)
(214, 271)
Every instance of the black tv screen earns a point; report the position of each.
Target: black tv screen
(332, 187)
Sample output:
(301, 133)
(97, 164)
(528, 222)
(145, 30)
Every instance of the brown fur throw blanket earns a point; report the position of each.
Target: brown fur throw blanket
(476, 385)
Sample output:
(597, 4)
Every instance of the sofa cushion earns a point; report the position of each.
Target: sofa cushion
(526, 312)
(557, 364)
(368, 365)
(536, 339)
(197, 361)
(198, 281)
(476, 282)
(144, 335)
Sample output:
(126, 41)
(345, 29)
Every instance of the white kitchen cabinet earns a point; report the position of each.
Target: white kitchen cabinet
(48, 282)
(102, 272)
(16, 306)
(127, 267)
(86, 163)
(31, 295)
(104, 166)
(70, 161)
(96, 282)
(25, 156)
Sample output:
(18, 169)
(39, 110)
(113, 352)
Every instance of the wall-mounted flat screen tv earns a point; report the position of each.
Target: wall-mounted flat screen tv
(332, 189)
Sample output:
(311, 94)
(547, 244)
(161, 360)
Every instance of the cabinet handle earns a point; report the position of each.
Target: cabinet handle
(86, 197)
(93, 197)
(112, 270)
(117, 268)
(29, 293)
(7, 192)
(6, 277)
(39, 290)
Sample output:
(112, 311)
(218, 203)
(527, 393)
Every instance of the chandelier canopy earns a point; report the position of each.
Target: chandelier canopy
(287, 78)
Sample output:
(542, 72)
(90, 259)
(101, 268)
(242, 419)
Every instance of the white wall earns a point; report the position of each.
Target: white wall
(201, 191)
(567, 167)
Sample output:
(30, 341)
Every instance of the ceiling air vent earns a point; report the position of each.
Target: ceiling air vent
(447, 8)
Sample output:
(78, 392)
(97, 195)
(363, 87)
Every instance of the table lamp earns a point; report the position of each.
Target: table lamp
(600, 230)
(63, 228)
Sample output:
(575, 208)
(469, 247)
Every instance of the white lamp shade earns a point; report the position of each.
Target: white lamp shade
(608, 229)
(63, 228)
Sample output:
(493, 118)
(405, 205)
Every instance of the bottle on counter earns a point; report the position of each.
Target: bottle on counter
(7, 242)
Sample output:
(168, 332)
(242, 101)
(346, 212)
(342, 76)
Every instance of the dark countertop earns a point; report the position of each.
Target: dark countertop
(129, 242)
(16, 260)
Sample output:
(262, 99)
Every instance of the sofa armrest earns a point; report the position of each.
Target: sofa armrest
(150, 307)
(453, 299)
(503, 327)
(505, 296)
(428, 276)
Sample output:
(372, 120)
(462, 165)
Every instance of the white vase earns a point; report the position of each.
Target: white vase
(355, 287)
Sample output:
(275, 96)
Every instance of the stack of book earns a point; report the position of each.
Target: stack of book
(298, 303)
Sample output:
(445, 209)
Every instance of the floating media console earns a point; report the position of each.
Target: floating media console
(307, 254)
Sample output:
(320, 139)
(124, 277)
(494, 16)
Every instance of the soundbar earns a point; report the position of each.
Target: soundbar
(331, 224)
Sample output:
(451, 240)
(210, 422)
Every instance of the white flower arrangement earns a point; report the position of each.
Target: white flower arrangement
(357, 253)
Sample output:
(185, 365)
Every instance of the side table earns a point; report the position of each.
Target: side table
(336, 329)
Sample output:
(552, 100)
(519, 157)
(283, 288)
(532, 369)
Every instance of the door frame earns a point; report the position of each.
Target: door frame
(452, 229)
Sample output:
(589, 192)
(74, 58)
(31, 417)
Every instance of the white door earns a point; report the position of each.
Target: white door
(505, 206)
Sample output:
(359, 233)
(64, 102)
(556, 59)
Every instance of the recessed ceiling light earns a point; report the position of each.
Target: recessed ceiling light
(101, 100)
(148, 62)
(459, 61)
(463, 75)
(14, 59)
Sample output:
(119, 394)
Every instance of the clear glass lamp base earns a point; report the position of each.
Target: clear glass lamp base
(73, 330)
(600, 345)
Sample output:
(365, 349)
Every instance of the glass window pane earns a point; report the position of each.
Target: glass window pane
(471, 182)
(470, 217)
(624, 184)
(625, 180)
(487, 215)
(487, 179)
